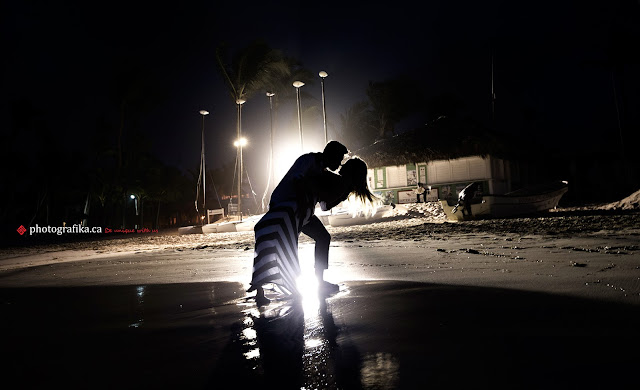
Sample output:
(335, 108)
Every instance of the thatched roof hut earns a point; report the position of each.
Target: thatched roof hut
(443, 139)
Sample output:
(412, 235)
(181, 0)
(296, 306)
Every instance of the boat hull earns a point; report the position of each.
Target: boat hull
(226, 227)
(527, 201)
(210, 228)
(190, 230)
(245, 225)
(345, 218)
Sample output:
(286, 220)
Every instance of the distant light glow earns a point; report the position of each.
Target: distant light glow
(240, 142)
(288, 150)
(298, 84)
(323, 74)
(132, 196)
(203, 112)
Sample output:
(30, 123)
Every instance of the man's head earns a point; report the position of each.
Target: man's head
(333, 154)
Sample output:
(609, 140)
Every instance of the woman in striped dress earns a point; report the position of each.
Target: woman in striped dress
(276, 248)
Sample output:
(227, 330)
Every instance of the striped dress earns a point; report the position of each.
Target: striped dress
(275, 258)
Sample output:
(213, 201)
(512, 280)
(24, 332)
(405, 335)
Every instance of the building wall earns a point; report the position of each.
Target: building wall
(443, 178)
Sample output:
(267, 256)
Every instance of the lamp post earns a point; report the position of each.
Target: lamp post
(323, 75)
(272, 176)
(203, 171)
(135, 203)
(239, 143)
(299, 84)
(239, 103)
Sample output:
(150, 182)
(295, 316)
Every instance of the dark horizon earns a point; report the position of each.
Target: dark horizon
(565, 75)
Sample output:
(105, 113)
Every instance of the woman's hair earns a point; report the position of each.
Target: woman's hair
(355, 170)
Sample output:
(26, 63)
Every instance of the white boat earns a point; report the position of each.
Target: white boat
(323, 216)
(190, 229)
(346, 218)
(524, 201)
(210, 228)
(245, 225)
(226, 227)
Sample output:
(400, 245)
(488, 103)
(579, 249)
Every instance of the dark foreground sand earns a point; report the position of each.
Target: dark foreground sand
(372, 335)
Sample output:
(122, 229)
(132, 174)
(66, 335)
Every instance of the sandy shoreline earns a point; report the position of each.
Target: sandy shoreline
(595, 256)
(412, 222)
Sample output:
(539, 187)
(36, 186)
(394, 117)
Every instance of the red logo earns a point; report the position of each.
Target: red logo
(21, 230)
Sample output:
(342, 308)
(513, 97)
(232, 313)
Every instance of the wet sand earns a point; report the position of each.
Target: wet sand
(371, 335)
(550, 302)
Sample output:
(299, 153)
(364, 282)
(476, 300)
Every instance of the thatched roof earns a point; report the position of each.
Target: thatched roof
(442, 139)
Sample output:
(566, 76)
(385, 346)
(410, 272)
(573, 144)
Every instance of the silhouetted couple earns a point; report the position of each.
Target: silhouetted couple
(291, 211)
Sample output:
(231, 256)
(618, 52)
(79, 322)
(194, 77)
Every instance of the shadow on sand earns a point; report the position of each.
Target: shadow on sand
(372, 335)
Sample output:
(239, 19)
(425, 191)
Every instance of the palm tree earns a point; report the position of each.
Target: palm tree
(392, 101)
(134, 91)
(354, 126)
(258, 68)
(255, 68)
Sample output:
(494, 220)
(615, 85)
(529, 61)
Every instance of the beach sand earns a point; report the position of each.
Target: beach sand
(547, 301)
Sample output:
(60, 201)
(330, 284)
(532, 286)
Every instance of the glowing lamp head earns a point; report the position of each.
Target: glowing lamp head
(240, 101)
(204, 112)
(240, 142)
(323, 74)
(270, 94)
(132, 196)
(298, 84)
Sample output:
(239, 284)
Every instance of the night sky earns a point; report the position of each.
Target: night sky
(553, 79)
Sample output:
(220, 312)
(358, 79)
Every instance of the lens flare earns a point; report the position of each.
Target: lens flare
(308, 287)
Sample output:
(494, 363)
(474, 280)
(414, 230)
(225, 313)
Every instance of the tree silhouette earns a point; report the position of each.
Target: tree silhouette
(392, 101)
(354, 124)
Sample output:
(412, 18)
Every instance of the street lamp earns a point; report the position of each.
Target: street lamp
(323, 75)
(299, 84)
(239, 103)
(135, 202)
(240, 143)
(272, 176)
(203, 168)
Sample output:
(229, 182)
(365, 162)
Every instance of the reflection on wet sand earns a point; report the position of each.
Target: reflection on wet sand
(404, 335)
(380, 370)
(373, 335)
(296, 346)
